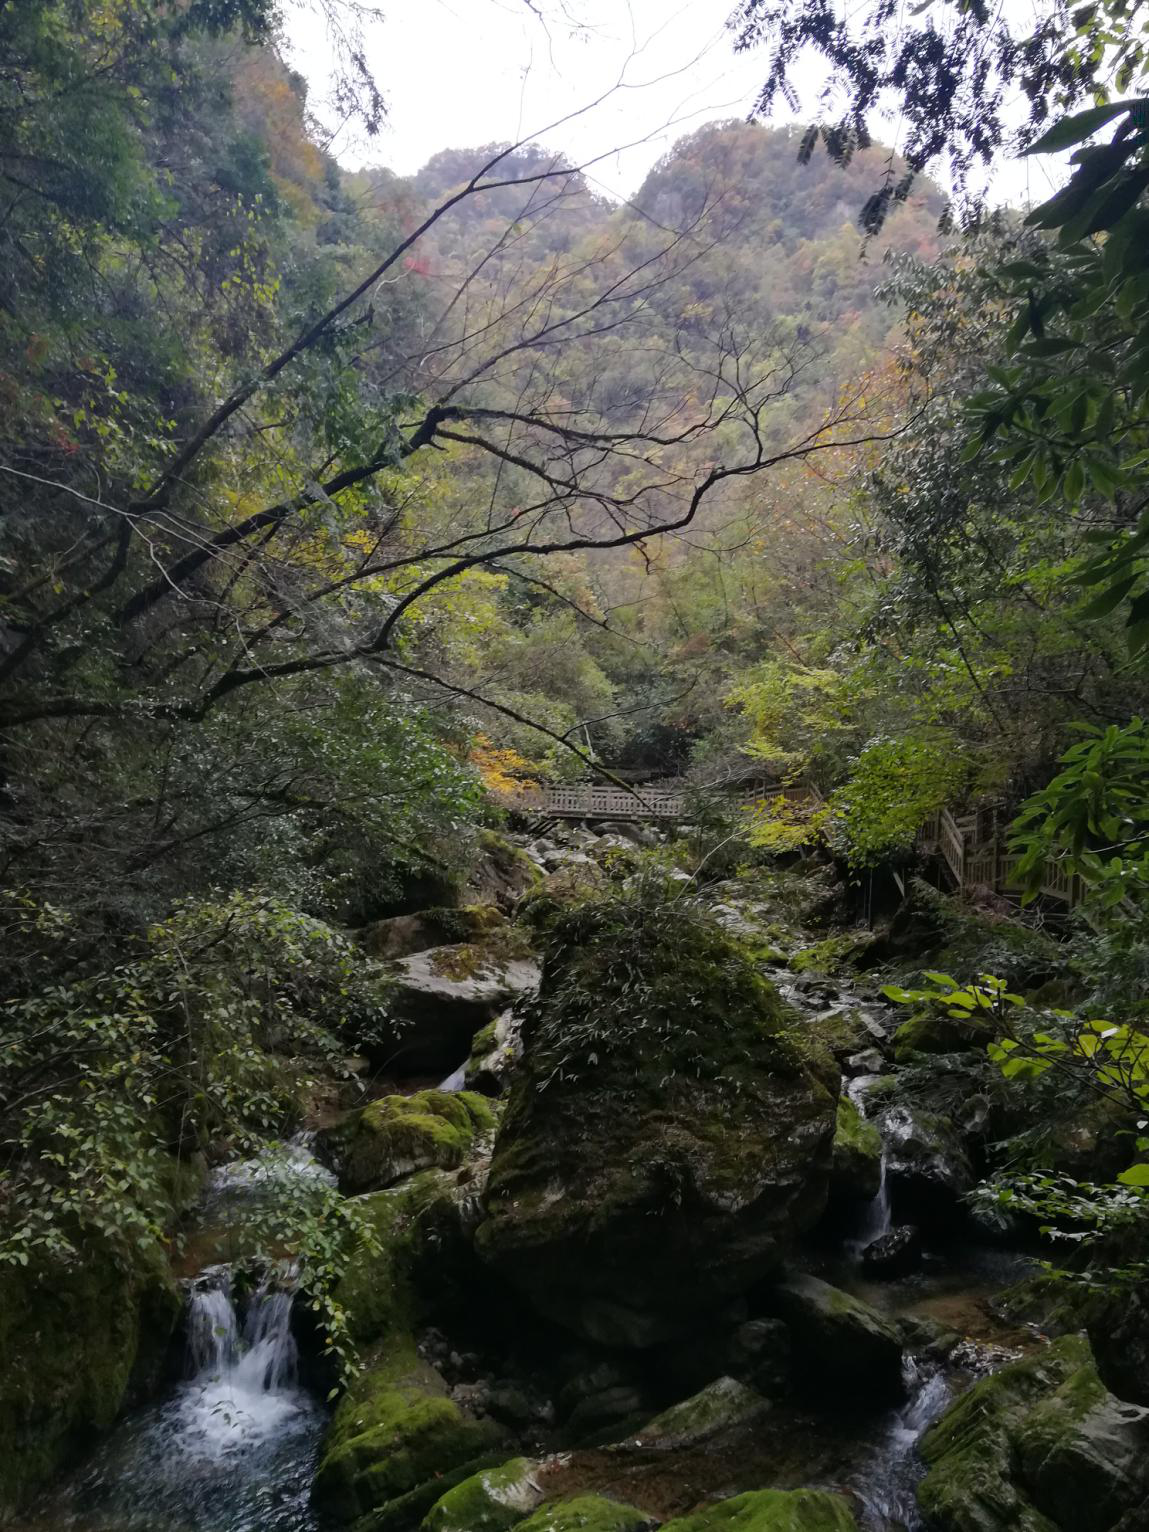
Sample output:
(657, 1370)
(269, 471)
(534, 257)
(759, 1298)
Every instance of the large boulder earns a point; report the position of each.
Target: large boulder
(927, 1168)
(391, 1138)
(441, 997)
(666, 1137)
(841, 1345)
(79, 1340)
(393, 1433)
(1041, 1446)
(771, 1510)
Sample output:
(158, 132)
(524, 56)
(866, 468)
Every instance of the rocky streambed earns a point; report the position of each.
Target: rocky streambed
(675, 1234)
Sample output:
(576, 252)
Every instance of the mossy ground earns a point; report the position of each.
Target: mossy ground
(587, 1513)
(771, 1510)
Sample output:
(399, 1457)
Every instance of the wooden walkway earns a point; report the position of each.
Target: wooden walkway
(647, 801)
(973, 848)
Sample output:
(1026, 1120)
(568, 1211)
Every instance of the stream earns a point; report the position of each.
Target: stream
(233, 1444)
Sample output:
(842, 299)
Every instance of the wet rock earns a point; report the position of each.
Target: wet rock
(441, 998)
(605, 1393)
(840, 1341)
(1040, 1445)
(1119, 1332)
(868, 1062)
(932, 1030)
(491, 1501)
(681, 1142)
(397, 1135)
(756, 1351)
(927, 1168)
(724, 1406)
(894, 1254)
(856, 1170)
(771, 1510)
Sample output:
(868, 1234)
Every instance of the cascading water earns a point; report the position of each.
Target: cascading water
(886, 1484)
(233, 1446)
(875, 1218)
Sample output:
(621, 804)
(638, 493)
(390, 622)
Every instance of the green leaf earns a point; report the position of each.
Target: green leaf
(1136, 1175)
(1072, 130)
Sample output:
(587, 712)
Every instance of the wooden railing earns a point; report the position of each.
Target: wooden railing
(975, 862)
(644, 802)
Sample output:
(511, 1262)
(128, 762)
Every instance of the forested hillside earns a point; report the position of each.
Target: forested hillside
(383, 1149)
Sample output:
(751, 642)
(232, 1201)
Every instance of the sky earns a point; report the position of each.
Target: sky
(611, 83)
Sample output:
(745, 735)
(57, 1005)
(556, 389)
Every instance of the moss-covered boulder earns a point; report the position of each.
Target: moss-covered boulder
(490, 1501)
(666, 1137)
(856, 1169)
(494, 1053)
(78, 1342)
(771, 1510)
(841, 1345)
(834, 954)
(503, 872)
(393, 1431)
(1041, 1446)
(726, 1405)
(397, 1135)
(588, 1513)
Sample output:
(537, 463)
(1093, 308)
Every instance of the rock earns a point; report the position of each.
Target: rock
(78, 1342)
(683, 1137)
(504, 872)
(933, 1030)
(491, 1501)
(494, 1053)
(835, 954)
(1118, 1328)
(726, 1405)
(403, 935)
(394, 1431)
(868, 1062)
(771, 1510)
(840, 1341)
(636, 834)
(894, 1254)
(1040, 1446)
(841, 1030)
(856, 1170)
(441, 998)
(756, 1351)
(588, 1513)
(396, 1135)
(604, 1394)
(927, 1168)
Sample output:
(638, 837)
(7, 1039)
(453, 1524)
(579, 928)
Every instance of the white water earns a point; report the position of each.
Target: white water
(875, 1217)
(887, 1485)
(242, 1389)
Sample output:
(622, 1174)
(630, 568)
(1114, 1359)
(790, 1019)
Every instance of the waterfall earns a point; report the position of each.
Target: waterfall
(875, 1218)
(887, 1484)
(242, 1364)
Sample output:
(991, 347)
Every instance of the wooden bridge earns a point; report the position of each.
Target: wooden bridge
(644, 802)
(972, 847)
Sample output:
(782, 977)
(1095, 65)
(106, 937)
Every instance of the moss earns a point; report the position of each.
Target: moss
(392, 1431)
(833, 954)
(682, 1139)
(973, 1450)
(77, 1342)
(491, 1501)
(485, 1041)
(378, 1289)
(587, 1513)
(725, 1405)
(772, 1510)
(396, 1135)
(856, 1173)
(933, 1031)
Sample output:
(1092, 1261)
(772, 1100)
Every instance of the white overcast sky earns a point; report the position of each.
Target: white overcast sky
(457, 73)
